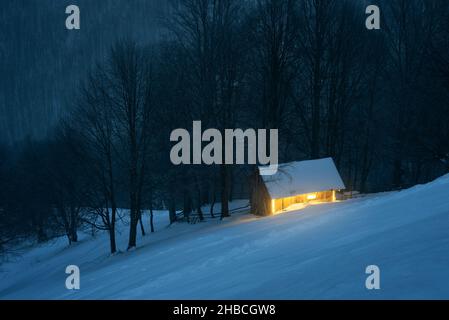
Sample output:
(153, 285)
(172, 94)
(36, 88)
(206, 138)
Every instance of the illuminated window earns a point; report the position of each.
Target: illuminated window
(311, 196)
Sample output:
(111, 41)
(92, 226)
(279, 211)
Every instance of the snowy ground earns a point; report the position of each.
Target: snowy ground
(320, 252)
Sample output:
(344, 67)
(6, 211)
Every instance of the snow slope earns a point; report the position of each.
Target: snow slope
(320, 252)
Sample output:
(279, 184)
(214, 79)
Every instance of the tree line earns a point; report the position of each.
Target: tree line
(377, 101)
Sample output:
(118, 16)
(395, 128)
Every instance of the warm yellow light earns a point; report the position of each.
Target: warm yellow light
(334, 196)
(311, 196)
(273, 206)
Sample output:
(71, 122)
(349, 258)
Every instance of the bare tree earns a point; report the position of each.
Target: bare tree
(129, 75)
(95, 121)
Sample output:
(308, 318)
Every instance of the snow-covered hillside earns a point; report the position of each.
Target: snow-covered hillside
(318, 252)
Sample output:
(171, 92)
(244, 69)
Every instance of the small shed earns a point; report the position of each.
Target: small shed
(299, 182)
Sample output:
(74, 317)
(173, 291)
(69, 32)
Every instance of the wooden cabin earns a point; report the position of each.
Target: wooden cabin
(301, 182)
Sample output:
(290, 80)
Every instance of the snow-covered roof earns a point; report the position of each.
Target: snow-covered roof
(302, 177)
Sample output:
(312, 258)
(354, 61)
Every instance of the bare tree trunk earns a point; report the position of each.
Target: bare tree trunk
(134, 219)
(224, 191)
(110, 223)
(213, 201)
(112, 240)
(151, 218)
(187, 205)
(113, 211)
(142, 229)
(74, 224)
(135, 210)
(199, 199)
(397, 172)
(231, 184)
(172, 208)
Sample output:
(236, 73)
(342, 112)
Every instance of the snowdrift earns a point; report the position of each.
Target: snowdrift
(320, 252)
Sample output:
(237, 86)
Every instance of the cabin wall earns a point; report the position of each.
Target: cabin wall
(284, 203)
